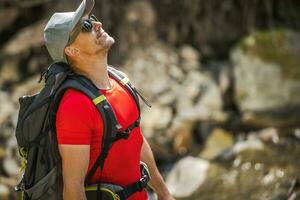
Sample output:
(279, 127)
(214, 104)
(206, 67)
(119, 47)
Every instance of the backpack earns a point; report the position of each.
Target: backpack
(36, 131)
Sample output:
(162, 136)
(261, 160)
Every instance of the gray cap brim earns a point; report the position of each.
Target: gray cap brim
(84, 8)
(59, 27)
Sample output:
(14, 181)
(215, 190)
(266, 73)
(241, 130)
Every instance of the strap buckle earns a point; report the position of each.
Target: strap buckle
(125, 134)
(143, 183)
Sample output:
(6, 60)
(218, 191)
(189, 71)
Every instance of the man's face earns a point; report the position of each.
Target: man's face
(93, 39)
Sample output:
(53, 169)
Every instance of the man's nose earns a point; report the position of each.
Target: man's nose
(97, 26)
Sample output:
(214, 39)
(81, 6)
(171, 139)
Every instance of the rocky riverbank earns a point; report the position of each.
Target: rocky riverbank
(225, 121)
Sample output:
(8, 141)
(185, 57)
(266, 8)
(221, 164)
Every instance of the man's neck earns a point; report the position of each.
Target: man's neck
(95, 68)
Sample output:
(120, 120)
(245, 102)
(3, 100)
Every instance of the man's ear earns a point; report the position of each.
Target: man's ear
(71, 51)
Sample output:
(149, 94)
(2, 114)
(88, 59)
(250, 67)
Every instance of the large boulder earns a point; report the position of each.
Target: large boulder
(267, 78)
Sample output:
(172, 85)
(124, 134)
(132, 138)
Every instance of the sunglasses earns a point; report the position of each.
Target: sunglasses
(86, 26)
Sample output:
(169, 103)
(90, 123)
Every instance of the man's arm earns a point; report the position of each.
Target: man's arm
(156, 183)
(75, 161)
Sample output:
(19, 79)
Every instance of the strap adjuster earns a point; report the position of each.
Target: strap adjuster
(143, 182)
(124, 81)
(99, 99)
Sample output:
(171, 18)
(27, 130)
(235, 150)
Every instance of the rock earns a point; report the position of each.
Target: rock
(28, 87)
(154, 70)
(6, 107)
(182, 133)
(2, 153)
(11, 167)
(267, 78)
(202, 101)
(9, 71)
(187, 176)
(12, 146)
(156, 118)
(219, 141)
(11, 182)
(10, 164)
(269, 135)
(190, 58)
(297, 133)
(27, 38)
(252, 143)
(4, 192)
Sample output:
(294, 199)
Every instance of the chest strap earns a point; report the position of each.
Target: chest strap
(125, 133)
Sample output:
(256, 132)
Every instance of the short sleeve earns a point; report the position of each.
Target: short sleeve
(74, 119)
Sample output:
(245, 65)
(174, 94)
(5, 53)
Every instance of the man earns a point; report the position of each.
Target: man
(80, 40)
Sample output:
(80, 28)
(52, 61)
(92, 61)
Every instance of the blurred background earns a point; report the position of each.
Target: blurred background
(223, 78)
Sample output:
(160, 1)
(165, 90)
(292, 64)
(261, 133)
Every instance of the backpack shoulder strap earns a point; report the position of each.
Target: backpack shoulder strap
(110, 123)
(124, 80)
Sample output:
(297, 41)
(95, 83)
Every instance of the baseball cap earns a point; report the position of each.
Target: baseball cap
(59, 27)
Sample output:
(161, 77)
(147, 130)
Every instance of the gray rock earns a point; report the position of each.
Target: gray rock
(4, 192)
(267, 78)
(252, 143)
(187, 176)
(9, 71)
(269, 135)
(190, 58)
(28, 87)
(11, 166)
(6, 107)
(202, 100)
(156, 118)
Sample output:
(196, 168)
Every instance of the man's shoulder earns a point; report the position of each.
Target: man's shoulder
(74, 98)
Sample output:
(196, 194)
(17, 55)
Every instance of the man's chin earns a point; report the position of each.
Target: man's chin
(109, 42)
(105, 47)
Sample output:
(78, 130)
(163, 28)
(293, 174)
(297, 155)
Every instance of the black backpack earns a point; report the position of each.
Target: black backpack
(36, 131)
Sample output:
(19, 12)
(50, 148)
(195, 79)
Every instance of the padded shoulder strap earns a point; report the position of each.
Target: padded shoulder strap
(119, 76)
(111, 125)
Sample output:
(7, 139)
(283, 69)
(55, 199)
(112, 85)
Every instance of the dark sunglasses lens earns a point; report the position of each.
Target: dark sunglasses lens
(87, 26)
(94, 18)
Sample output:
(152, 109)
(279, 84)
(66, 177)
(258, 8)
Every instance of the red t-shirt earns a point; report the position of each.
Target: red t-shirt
(79, 122)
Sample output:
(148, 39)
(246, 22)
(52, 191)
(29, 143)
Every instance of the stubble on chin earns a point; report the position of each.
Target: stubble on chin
(104, 46)
(109, 42)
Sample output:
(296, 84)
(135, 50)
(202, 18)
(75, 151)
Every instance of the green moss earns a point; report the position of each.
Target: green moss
(278, 46)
